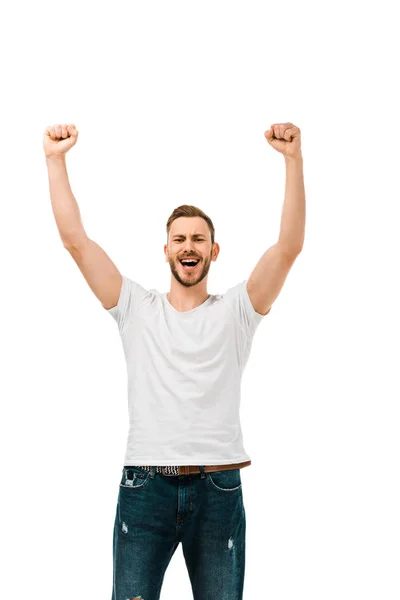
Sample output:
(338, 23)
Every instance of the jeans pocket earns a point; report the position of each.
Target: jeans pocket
(133, 477)
(227, 480)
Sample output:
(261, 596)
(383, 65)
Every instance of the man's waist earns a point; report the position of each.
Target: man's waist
(189, 469)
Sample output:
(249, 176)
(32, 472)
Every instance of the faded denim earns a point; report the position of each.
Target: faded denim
(155, 512)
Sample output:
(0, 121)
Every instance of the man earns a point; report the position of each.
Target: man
(186, 351)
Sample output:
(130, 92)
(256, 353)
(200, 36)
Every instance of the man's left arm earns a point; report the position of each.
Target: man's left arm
(269, 274)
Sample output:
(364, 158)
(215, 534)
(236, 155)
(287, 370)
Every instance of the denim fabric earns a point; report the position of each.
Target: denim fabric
(155, 512)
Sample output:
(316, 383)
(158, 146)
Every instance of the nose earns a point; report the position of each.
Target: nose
(187, 249)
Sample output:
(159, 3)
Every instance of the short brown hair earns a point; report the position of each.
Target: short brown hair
(187, 210)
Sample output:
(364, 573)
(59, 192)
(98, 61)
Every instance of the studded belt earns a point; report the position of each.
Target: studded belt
(188, 469)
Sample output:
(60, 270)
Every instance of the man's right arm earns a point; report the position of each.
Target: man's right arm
(100, 272)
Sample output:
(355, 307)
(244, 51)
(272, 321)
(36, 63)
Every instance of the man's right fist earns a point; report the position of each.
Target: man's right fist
(58, 139)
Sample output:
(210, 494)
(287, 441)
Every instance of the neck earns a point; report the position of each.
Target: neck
(181, 308)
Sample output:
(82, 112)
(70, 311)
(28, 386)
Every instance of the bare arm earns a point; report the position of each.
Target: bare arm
(267, 278)
(100, 272)
(65, 207)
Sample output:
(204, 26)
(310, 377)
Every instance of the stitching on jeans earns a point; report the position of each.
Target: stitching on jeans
(223, 489)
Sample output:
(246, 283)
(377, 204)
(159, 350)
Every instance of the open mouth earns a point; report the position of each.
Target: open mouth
(189, 265)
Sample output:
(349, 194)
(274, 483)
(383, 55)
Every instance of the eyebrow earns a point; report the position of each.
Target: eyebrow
(194, 235)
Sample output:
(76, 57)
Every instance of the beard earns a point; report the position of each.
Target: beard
(190, 278)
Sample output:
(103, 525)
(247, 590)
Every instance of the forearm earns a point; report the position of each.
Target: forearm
(65, 207)
(292, 230)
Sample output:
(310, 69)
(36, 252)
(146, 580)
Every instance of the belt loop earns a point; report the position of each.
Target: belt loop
(202, 472)
(152, 472)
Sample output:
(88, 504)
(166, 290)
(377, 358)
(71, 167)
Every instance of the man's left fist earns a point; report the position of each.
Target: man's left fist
(285, 138)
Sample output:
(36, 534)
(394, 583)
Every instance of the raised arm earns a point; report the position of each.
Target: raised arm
(269, 275)
(100, 272)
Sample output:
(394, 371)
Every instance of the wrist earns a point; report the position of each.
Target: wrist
(54, 158)
(295, 158)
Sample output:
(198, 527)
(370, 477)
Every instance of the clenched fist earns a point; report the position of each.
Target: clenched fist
(58, 139)
(285, 138)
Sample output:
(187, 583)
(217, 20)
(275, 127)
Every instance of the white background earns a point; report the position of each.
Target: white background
(171, 100)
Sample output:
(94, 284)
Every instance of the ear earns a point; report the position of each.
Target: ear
(216, 250)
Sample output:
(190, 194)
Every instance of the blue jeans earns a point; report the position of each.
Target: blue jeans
(204, 511)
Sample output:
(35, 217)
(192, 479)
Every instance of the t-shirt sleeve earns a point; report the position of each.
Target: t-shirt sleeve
(130, 296)
(239, 300)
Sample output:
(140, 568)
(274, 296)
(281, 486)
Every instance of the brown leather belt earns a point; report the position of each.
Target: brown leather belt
(189, 469)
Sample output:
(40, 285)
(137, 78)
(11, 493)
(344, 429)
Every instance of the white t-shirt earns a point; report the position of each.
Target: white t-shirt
(184, 375)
